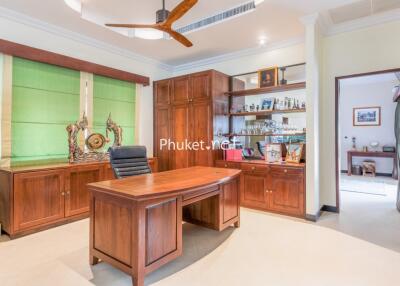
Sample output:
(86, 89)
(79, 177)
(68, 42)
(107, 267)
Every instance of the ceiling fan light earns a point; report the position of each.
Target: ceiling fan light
(148, 34)
(75, 5)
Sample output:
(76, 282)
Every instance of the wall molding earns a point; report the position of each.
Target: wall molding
(358, 24)
(58, 31)
(239, 54)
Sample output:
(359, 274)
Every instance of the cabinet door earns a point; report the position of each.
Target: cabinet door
(181, 90)
(77, 195)
(286, 192)
(38, 198)
(253, 190)
(162, 92)
(200, 116)
(161, 136)
(180, 130)
(201, 86)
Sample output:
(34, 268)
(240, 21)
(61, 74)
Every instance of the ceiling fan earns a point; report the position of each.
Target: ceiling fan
(164, 21)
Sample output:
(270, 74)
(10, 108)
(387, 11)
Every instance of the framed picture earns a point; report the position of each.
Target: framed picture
(294, 153)
(268, 104)
(367, 116)
(268, 77)
(273, 153)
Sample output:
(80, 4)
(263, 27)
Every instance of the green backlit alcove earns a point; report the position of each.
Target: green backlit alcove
(45, 99)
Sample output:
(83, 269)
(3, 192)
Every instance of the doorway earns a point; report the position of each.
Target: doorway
(366, 158)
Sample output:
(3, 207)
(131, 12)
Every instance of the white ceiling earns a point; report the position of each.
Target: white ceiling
(277, 20)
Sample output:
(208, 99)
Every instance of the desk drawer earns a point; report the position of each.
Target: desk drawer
(255, 168)
(199, 193)
(227, 164)
(281, 170)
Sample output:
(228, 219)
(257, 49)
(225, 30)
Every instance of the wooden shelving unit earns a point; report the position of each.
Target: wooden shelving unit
(264, 112)
(264, 90)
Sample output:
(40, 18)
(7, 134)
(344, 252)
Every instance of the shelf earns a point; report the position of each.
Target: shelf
(264, 90)
(268, 112)
(266, 135)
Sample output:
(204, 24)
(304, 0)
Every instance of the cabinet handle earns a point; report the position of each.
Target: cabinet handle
(63, 194)
(68, 193)
(253, 168)
(285, 171)
(226, 166)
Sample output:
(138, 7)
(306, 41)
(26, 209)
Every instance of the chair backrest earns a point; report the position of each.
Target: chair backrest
(129, 161)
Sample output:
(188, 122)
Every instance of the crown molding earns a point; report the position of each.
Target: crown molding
(239, 54)
(365, 22)
(58, 31)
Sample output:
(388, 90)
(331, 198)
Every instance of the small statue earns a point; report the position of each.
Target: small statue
(73, 130)
(116, 129)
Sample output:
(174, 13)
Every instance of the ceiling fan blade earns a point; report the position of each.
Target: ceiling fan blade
(152, 26)
(179, 11)
(180, 38)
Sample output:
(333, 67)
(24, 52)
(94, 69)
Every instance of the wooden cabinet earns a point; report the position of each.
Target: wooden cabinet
(180, 126)
(38, 198)
(271, 187)
(286, 191)
(253, 190)
(192, 115)
(76, 194)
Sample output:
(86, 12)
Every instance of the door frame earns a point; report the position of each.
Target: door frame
(337, 97)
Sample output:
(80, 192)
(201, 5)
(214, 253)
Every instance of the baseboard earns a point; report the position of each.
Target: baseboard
(313, 218)
(332, 209)
(378, 174)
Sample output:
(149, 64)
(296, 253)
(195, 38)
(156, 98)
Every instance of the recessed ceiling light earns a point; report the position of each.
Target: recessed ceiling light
(74, 5)
(262, 40)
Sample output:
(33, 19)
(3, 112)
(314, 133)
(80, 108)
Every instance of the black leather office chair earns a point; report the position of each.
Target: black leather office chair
(129, 161)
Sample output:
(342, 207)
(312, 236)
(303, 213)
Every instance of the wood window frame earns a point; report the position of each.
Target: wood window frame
(34, 54)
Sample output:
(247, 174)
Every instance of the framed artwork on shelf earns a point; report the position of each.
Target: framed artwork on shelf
(294, 153)
(367, 116)
(268, 77)
(273, 153)
(268, 104)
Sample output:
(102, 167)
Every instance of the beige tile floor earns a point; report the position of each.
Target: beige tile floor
(359, 247)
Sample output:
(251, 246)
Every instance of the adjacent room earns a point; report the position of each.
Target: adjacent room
(197, 142)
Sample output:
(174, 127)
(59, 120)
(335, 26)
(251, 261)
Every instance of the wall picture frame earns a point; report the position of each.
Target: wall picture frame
(294, 153)
(268, 104)
(268, 77)
(367, 116)
(273, 153)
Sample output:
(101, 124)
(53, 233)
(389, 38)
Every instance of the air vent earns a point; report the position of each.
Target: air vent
(226, 15)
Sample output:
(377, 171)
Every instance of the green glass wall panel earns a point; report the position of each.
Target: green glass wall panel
(118, 98)
(45, 99)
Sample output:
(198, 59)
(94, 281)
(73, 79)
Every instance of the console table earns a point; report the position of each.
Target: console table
(136, 222)
(353, 153)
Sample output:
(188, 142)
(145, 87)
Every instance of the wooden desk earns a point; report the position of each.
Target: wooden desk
(352, 153)
(136, 222)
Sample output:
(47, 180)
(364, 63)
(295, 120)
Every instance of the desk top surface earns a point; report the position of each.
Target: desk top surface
(153, 185)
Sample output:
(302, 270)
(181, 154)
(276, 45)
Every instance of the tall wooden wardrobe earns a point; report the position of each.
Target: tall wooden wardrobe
(191, 107)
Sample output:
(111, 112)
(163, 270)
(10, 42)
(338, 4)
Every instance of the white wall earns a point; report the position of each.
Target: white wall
(72, 45)
(373, 94)
(372, 49)
(242, 64)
